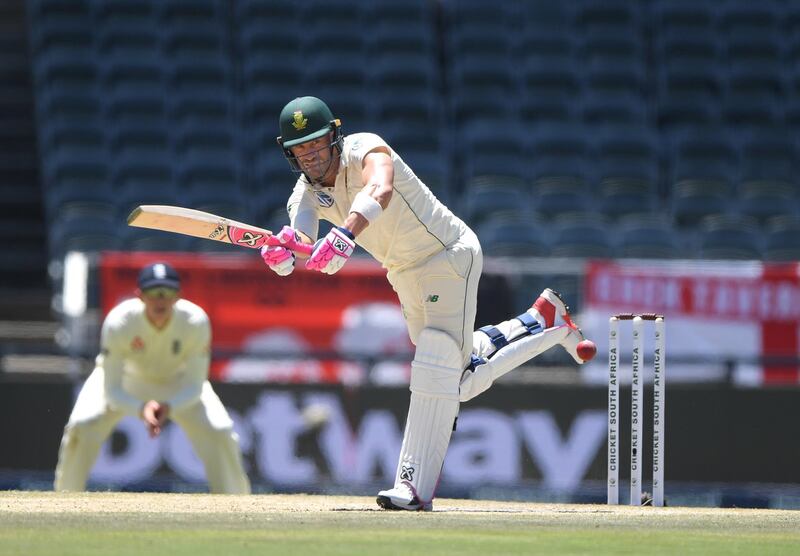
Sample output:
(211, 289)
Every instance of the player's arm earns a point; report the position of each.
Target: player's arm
(195, 370)
(112, 361)
(377, 176)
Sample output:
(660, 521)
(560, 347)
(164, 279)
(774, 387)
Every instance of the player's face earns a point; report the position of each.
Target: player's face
(158, 304)
(315, 157)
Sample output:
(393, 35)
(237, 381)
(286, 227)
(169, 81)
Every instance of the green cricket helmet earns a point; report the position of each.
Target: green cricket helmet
(305, 119)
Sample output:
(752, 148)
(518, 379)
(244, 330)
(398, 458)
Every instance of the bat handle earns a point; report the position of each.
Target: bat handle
(292, 245)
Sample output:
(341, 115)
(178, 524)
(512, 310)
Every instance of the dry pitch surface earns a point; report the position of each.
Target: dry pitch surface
(33, 523)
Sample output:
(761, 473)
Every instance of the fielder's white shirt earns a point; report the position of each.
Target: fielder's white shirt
(141, 361)
(414, 225)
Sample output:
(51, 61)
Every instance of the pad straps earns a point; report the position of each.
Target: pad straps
(528, 322)
(497, 338)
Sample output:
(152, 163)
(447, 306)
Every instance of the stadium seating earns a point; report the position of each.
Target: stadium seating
(729, 237)
(782, 238)
(649, 236)
(627, 109)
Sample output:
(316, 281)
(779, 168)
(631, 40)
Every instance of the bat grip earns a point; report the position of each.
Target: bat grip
(292, 245)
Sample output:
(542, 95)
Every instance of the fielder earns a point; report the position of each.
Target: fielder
(434, 262)
(153, 363)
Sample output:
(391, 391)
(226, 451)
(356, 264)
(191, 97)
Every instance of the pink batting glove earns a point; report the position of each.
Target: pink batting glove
(331, 252)
(280, 259)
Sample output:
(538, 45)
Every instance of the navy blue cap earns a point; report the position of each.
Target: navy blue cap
(159, 274)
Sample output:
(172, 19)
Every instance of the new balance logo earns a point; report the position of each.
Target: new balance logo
(432, 299)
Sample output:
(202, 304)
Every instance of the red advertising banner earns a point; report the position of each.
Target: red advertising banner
(714, 310)
(254, 310)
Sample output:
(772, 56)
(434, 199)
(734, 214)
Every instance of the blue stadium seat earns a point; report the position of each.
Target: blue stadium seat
(407, 14)
(334, 13)
(130, 197)
(83, 233)
(123, 71)
(542, 109)
(131, 39)
(649, 236)
(748, 17)
(686, 17)
(211, 73)
(393, 37)
(192, 12)
(613, 109)
(264, 70)
(494, 199)
(342, 40)
(151, 171)
(139, 139)
(142, 239)
(56, 35)
(193, 39)
(71, 199)
(768, 184)
(64, 71)
(484, 75)
(607, 15)
(113, 12)
(551, 77)
(750, 110)
(200, 107)
(610, 76)
(782, 238)
(558, 172)
(278, 40)
(543, 15)
(417, 111)
(626, 168)
(493, 147)
(467, 107)
(266, 15)
(520, 236)
(581, 235)
(546, 41)
(137, 107)
(729, 237)
(702, 170)
(71, 136)
(55, 105)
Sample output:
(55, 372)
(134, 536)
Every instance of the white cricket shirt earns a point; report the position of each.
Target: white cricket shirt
(140, 360)
(413, 227)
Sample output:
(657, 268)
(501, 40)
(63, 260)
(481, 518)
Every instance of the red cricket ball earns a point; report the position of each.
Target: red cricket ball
(586, 350)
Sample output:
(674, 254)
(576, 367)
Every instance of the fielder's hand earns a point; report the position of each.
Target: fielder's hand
(331, 252)
(155, 414)
(280, 259)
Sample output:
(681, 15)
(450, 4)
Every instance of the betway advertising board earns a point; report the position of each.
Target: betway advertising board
(316, 438)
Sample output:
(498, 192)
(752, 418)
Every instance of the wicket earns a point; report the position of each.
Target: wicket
(637, 407)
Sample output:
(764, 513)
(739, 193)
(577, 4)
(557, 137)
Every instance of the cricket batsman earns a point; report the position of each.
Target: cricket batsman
(153, 363)
(433, 261)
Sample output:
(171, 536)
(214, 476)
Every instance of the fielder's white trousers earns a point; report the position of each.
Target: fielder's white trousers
(206, 423)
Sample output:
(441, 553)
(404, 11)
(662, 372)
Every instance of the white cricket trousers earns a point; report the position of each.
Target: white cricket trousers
(206, 423)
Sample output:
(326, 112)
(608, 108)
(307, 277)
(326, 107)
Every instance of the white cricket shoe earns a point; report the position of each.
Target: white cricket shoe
(402, 497)
(551, 310)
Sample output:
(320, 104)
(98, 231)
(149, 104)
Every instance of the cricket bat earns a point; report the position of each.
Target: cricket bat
(205, 225)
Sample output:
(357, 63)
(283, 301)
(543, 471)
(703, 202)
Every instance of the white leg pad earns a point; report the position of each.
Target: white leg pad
(435, 376)
(512, 329)
(507, 359)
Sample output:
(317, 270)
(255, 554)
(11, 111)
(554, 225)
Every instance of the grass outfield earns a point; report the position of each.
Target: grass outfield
(116, 524)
